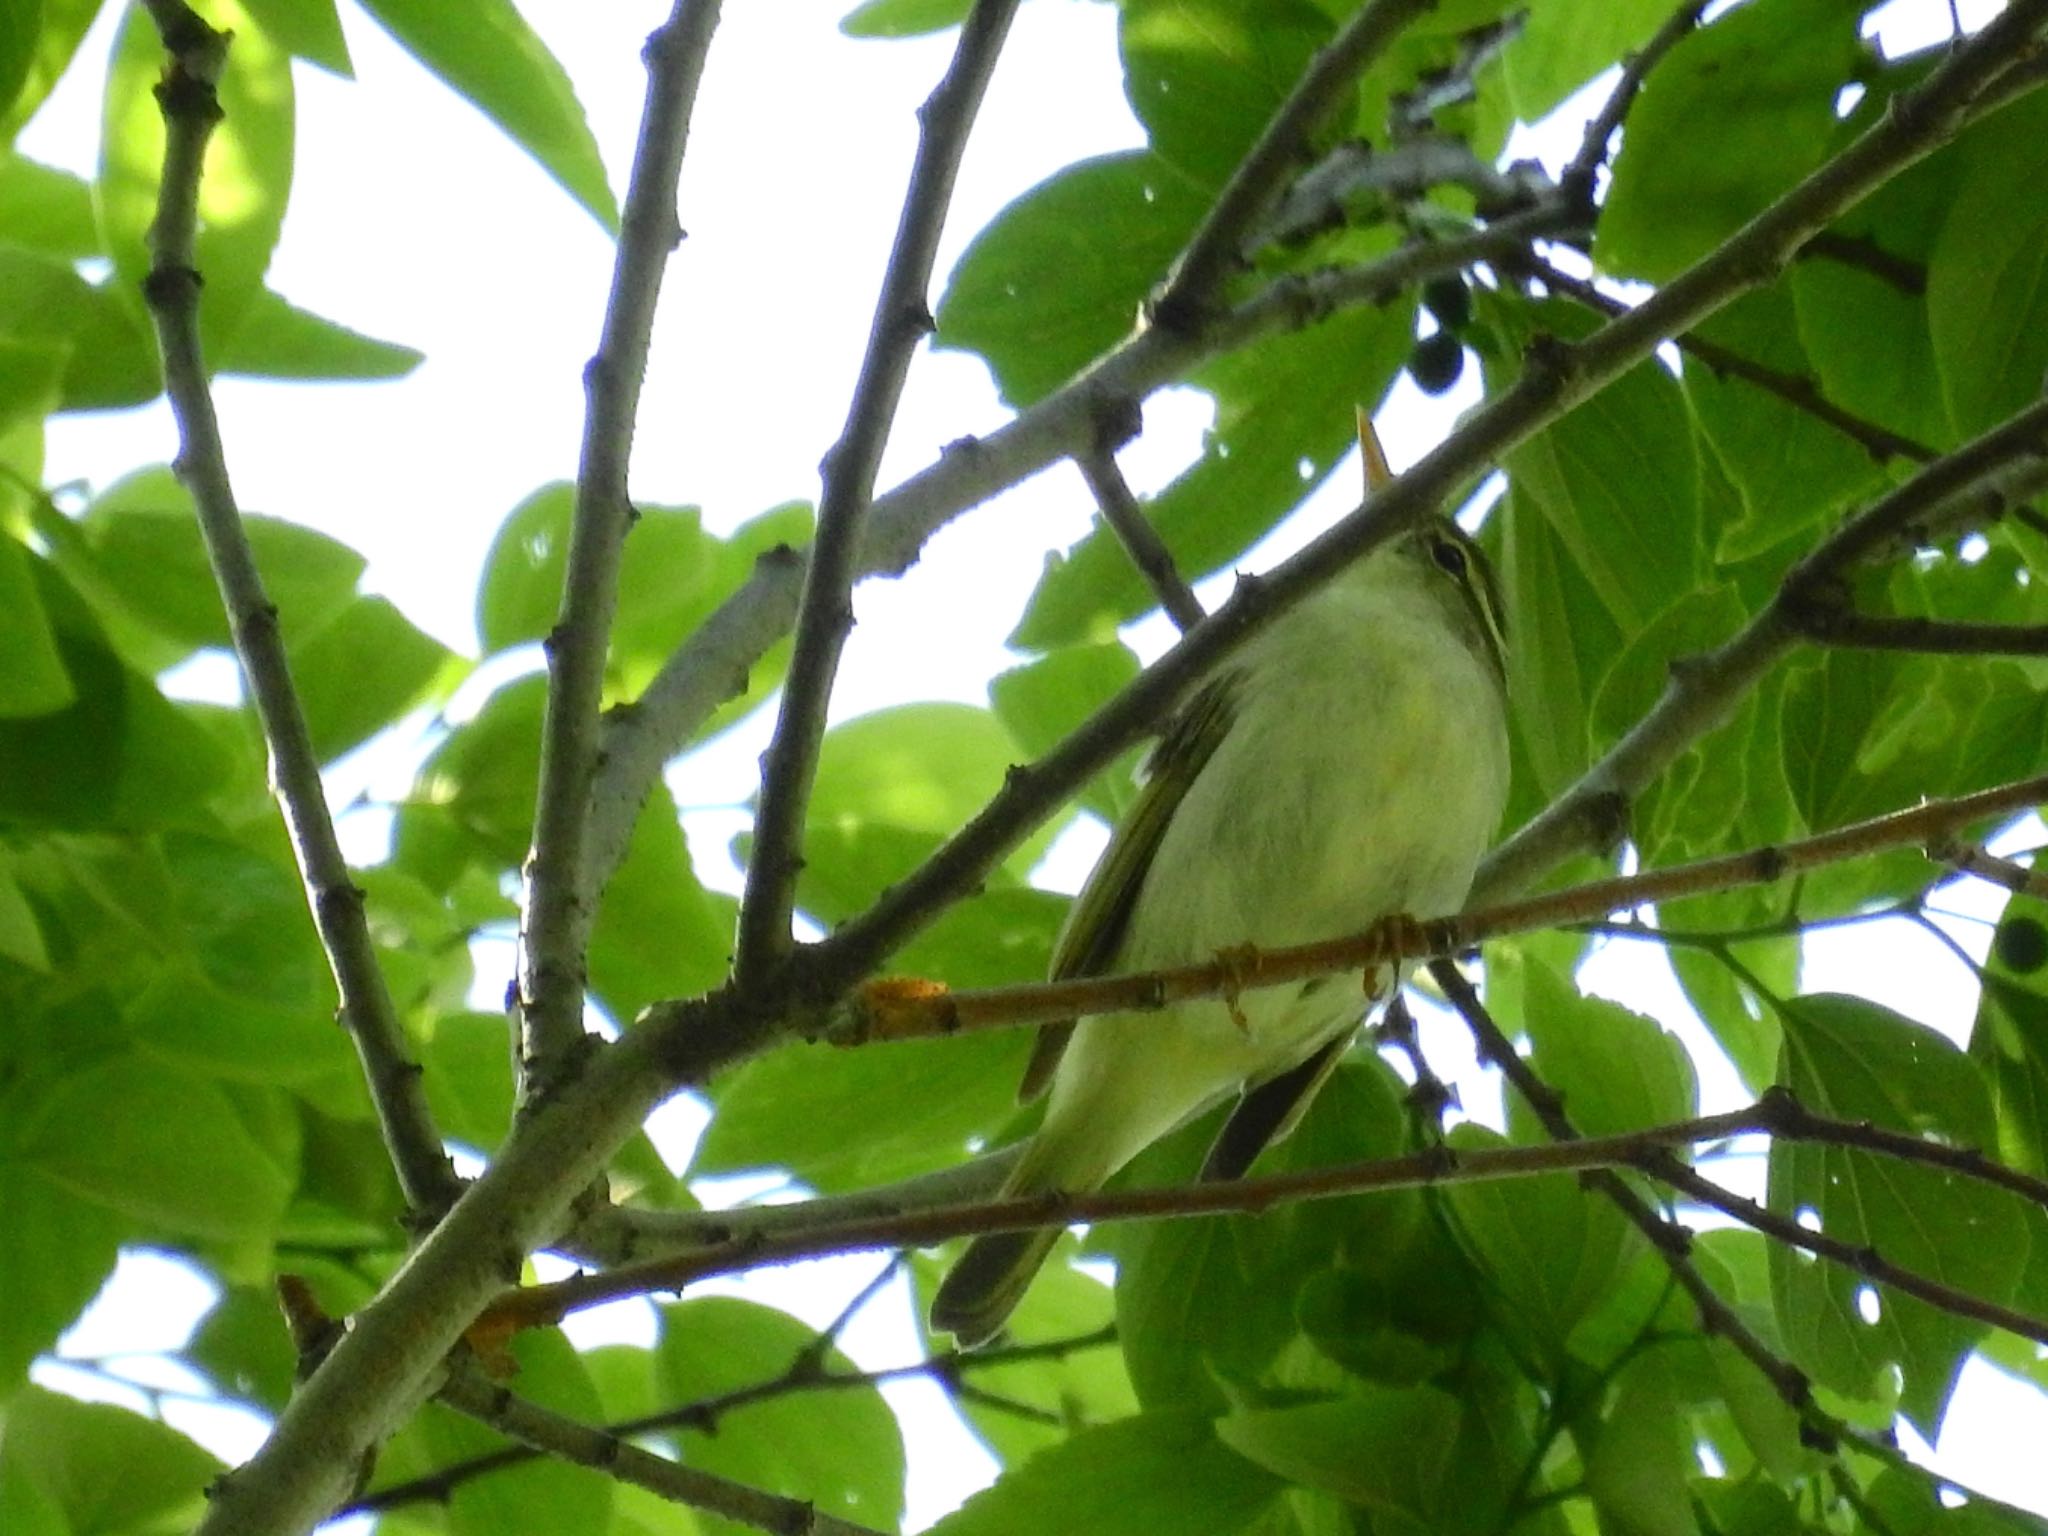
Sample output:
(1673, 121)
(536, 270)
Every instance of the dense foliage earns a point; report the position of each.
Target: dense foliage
(1482, 1357)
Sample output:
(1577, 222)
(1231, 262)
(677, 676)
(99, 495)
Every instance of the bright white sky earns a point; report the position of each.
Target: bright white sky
(417, 221)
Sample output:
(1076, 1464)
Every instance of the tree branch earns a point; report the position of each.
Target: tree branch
(1703, 690)
(388, 1359)
(825, 613)
(1795, 389)
(556, 1435)
(1671, 1241)
(1841, 626)
(711, 666)
(191, 107)
(1558, 376)
(559, 904)
(1579, 176)
(705, 1413)
(1139, 538)
(544, 1305)
(886, 1012)
(1217, 244)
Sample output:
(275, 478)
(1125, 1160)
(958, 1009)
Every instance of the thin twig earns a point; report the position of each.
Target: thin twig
(892, 1012)
(1795, 389)
(705, 1413)
(1140, 539)
(557, 1435)
(1839, 625)
(825, 613)
(1579, 176)
(191, 107)
(1671, 1241)
(1704, 690)
(1986, 865)
(1217, 244)
(559, 906)
(1866, 255)
(544, 1305)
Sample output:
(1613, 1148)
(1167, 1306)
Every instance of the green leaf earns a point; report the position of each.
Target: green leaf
(1074, 1391)
(1987, 284)
(1618, 479)
(307, 29)
(1285, 415)
(183, 1017)
(158, 1144)
(1561, 643)
(32, 676)
(844, 1120)
(487, 53)
(890, 786)
(1057, 277)
(98, 1468)
(1144, 1475)
(1856, 1060)
(60, 1250)
(1391, 1450)
(473, 799)
(1791, 468)
(1204, 76)
(364, 670)
(658, 933)
(1548, 1250)
(44, 209)
(119, 755)
(903, 18)
(245, 918)
(60, 26)
(1765, 76)
(675, 575)
(1640, 1468)
(109, 358)
(536, 1497)
(243, 185)
(242, 1347)
(278, 340)
(1617, 1069)
(1562, 45)
(1045, 699)
(468, 1076)
(147, 556)
(840, 1451)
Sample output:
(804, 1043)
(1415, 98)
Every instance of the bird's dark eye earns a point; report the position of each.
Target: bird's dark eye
(1449, 554)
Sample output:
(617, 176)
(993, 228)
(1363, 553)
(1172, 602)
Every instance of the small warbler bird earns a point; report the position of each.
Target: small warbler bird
(1346, 765)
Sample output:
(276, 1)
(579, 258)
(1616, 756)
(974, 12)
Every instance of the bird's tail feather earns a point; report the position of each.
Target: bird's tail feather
(990, 1278)
(984, 1287)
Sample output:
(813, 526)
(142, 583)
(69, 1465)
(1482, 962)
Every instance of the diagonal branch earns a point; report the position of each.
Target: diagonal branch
(1139, 538)
(1579, 176)
(705, 1413)
(825, 616)
(559, 905)
(1558, 376)
(1704, 690)
(1797, 390)
(603, 1451)
(1216, 246)
(191, 108)
(711, 666)
(544, 1305)
(889, 1011)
